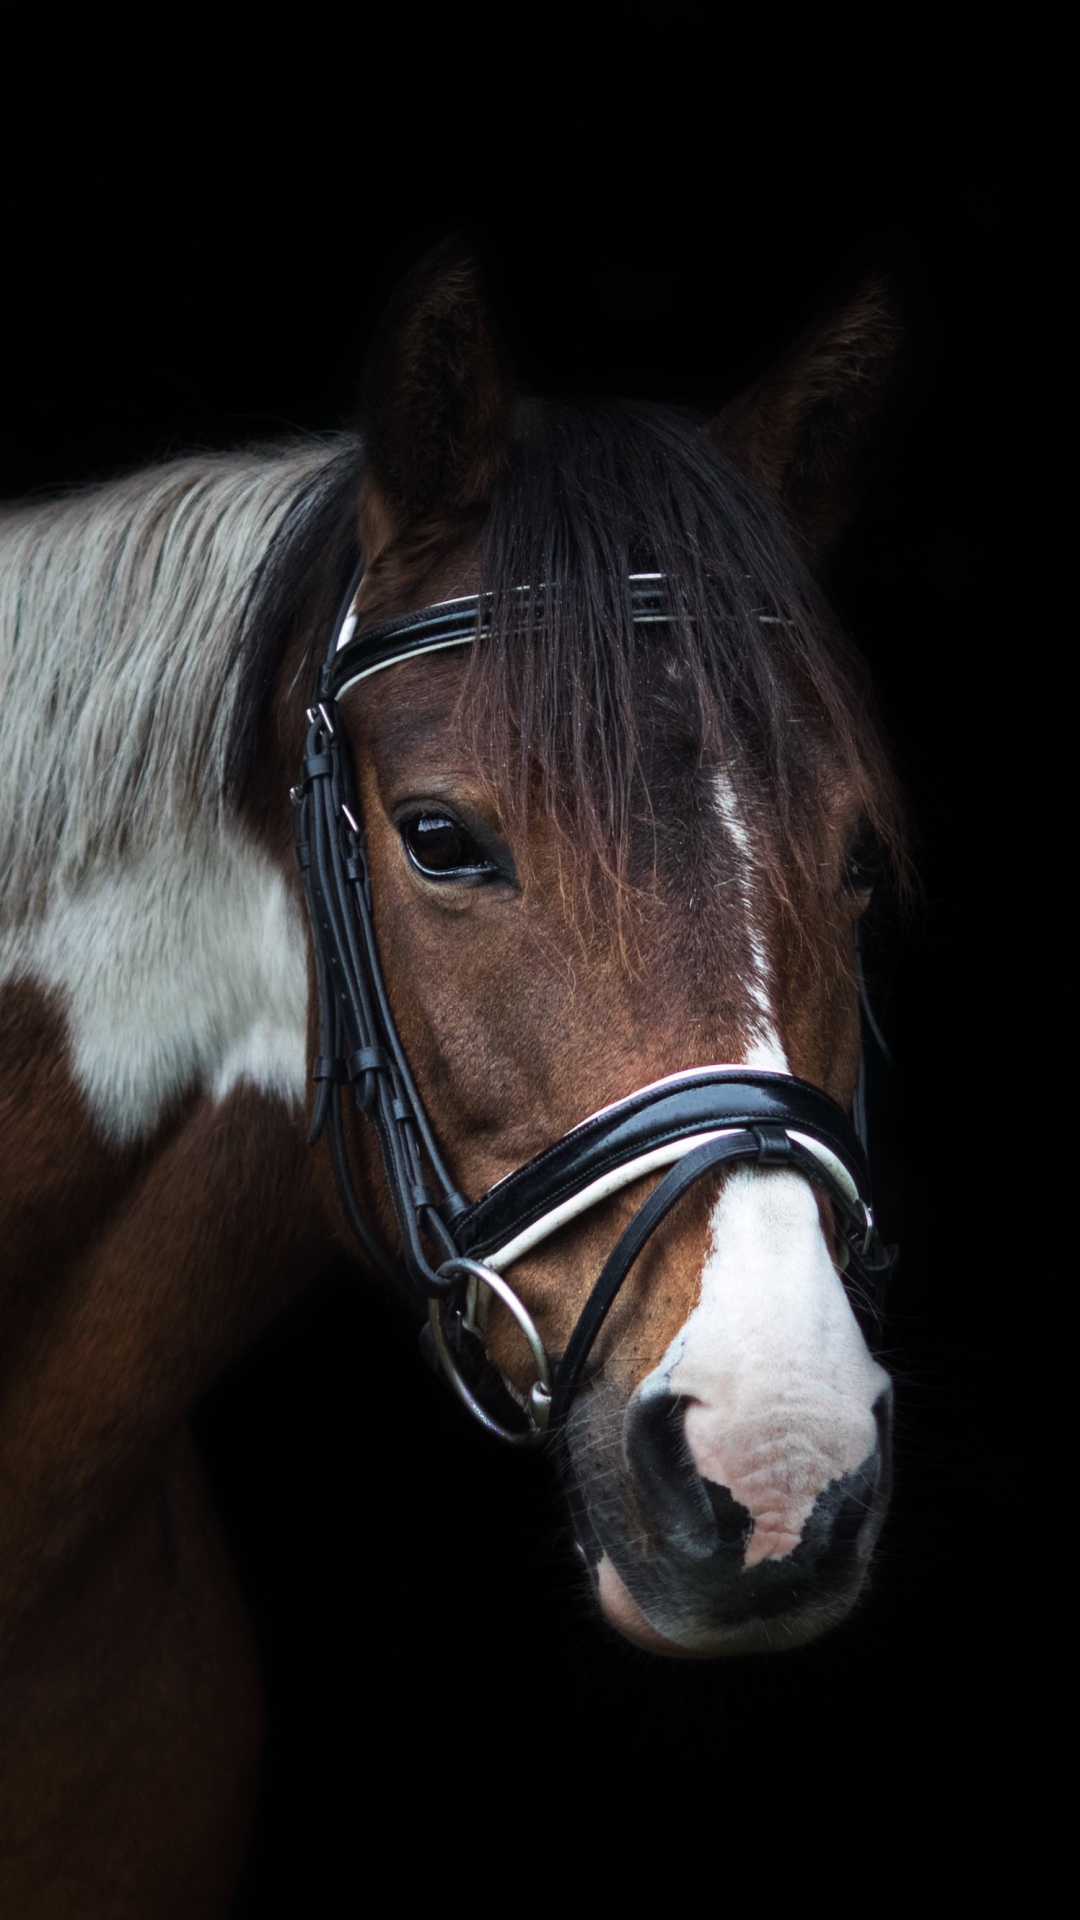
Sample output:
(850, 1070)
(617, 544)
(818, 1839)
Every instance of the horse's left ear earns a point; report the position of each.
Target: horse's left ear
(437, 411)
(800, 432)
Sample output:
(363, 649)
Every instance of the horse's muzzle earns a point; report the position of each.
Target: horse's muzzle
(683, 1547)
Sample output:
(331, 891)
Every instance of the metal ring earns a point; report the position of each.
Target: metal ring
(869, 1224)
(540, 1394)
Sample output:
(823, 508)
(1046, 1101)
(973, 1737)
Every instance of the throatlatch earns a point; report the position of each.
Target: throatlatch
(453, 1254)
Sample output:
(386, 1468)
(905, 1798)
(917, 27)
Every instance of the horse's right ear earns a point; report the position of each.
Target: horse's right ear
(801, 430)
(437, 408)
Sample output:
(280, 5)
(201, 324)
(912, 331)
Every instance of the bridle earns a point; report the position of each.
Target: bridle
(454, 1254)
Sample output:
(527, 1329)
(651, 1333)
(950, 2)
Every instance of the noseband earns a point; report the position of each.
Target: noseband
(454, 1255)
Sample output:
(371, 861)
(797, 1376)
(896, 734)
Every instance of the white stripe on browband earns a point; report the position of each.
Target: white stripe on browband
(436, 646)
(349, 628)
(397, 659)
(631, 1170)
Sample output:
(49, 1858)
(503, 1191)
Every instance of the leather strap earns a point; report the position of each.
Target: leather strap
(693, 1103)
(768, 1146)
(359, 1044)
(450, 623)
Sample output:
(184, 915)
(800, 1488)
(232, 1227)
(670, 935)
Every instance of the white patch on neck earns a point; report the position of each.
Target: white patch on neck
(182, 970)
(765, 1048)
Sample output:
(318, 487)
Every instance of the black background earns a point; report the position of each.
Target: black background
(201, 226)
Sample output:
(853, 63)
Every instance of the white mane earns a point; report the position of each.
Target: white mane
(118, 613)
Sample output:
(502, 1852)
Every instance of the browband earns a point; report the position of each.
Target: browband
(453, 1254)
(452, 623)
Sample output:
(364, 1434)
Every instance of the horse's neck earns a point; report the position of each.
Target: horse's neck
(157, 1202)
(168, 937)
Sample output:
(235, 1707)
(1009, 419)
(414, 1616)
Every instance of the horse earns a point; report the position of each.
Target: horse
(615, 834)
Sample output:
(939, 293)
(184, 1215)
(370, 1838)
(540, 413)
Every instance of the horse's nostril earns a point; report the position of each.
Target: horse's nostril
(734, 1523)
(702, 1519)
(856, 1501)
(673, 1493)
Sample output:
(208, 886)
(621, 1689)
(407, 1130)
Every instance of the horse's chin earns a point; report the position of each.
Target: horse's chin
(622, 1612)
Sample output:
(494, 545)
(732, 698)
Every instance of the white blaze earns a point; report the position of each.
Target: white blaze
(779, 1382)
(765, 1049)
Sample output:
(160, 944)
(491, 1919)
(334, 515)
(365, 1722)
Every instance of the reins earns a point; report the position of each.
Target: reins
(453, 1254)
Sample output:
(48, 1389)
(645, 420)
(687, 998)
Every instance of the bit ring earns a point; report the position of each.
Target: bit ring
(539, 1401)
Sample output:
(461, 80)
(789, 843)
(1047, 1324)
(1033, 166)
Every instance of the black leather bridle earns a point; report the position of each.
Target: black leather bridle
(453, 1253)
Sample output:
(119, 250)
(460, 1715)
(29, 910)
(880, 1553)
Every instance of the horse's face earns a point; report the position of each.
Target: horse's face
(729, 1457)
(729, 1448)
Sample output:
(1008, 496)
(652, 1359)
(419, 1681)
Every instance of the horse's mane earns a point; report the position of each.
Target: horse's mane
(120, 674)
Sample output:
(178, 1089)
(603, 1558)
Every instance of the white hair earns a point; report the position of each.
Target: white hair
(130, 891)
(119, 677)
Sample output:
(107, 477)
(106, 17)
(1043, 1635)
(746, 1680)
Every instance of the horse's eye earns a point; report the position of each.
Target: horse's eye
(441, 849)
(865, 860)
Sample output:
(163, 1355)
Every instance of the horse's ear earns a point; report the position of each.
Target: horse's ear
(800, 431)
(437, 408)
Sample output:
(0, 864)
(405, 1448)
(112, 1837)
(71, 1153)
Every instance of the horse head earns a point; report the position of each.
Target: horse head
(603, 851)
